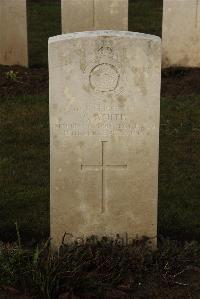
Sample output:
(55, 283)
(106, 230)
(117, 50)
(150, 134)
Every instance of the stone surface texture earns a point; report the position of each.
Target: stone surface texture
(181, 33)
(13, 33)
(104, 132)
(87, 15)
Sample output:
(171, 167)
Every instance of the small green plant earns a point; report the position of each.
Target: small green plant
(12, 75)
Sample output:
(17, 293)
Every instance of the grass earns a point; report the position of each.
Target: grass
(24, 176)
(44, 20)
(102, 268)
(179, 206)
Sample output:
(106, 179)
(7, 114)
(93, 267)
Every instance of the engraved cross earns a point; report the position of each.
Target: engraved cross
(102, 167)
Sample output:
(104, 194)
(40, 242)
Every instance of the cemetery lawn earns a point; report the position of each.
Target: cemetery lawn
(24, 176)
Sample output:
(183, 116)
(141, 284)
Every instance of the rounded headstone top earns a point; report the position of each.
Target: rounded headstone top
(104, 33)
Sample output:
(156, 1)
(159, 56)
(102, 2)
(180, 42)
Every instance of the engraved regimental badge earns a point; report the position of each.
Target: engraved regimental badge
(104, 76)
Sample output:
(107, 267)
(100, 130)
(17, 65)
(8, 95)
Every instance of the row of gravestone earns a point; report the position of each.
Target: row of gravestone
(181, 28)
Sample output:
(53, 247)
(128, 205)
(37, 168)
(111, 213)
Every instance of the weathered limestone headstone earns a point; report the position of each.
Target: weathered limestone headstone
(87, 15)
(13, 33)
(181, 33)
(104, 124)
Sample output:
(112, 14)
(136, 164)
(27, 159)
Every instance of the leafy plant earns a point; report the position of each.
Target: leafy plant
(12, 75)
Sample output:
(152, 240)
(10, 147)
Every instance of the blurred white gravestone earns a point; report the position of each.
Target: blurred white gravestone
(181, 33)
(87, 15)
(104, 124)
(13, 33)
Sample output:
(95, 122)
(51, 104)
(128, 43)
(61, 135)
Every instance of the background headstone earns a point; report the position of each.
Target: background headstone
(104, 123)
(87, 15)
(13, 33)
(181, 33)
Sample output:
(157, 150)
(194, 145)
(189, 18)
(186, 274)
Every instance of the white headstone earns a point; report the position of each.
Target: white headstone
(13, 33)
(181, 33)
(87, 15)
(104, 124)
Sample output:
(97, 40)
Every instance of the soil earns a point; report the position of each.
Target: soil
(11, 293)
(185, 286)
(180, 82)
(16, 80)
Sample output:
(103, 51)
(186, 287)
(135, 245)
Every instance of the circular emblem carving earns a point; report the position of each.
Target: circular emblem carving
(104, 77)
